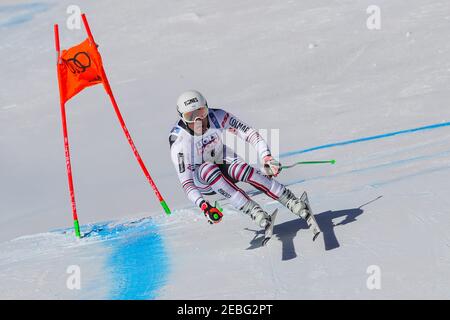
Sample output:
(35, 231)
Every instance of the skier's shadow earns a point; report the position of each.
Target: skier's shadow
(287, 231)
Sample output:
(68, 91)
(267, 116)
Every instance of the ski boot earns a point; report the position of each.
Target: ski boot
(300, 207)
(257, 214)
(261, 218)
(294, 204)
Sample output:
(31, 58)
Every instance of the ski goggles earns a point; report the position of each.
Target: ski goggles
(191, 116)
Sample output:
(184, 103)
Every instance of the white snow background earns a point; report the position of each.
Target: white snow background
(309, 68)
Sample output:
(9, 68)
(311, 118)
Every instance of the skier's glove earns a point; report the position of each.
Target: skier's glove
(212, 214)
(271, 166)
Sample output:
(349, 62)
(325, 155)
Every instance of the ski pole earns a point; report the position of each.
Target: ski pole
(308, 162)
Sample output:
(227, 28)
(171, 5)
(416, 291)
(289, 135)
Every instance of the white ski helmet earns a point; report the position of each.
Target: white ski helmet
(190, 101)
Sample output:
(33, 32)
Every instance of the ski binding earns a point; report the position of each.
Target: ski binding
(268, 232)
(310, 219)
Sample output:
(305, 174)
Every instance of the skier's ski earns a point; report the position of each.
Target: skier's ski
(268, 232)
(310, 219)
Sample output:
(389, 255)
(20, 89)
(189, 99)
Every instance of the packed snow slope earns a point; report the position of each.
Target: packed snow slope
(311, 69)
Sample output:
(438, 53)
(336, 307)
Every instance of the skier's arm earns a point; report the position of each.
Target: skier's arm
(185, 172)
(251, 135)
(245, 132)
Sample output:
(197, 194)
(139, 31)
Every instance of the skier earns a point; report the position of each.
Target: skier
(206, 166)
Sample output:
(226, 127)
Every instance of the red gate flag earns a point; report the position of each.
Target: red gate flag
(80, 68)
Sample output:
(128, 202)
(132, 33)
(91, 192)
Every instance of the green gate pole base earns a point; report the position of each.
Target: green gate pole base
(77, 228)
(166, 207)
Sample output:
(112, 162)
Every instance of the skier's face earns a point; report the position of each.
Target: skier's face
(199, 126)
(199, 113)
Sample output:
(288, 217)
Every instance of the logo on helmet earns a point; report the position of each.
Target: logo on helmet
(190, 101)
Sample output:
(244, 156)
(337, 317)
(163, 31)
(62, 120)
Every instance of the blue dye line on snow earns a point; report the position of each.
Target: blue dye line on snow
(20, 13)
(138, 263)
(139, 266)
(409, 176)
(379, 166)
(380, 136)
